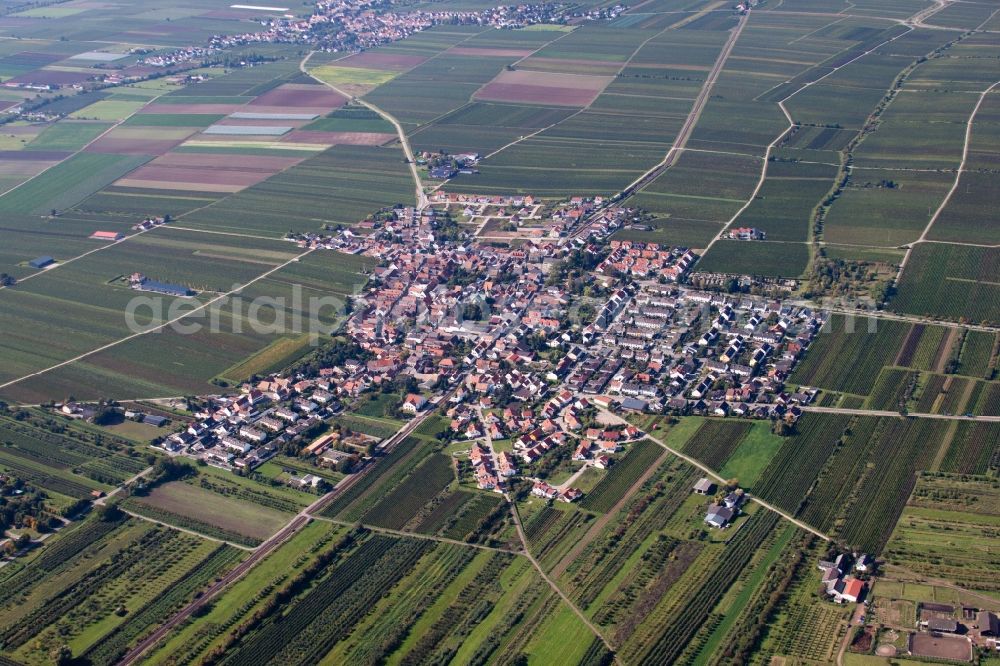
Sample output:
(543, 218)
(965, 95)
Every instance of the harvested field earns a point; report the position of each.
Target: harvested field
(488, 52)
(506, 92)
(544, 88)
(33, 155)
(140, 141)
(300, 96)
(202, 109)
(340, 138)
(204, 506)
(396, 62)
(48, 77)
(132, 146)
(205, 172)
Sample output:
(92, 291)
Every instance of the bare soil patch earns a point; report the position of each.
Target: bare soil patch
(340, 138)
(941, 647)
(183, 499)
(544, 88)
(294, 96)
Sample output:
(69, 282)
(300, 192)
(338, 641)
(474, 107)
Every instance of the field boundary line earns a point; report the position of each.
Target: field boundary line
(791, 124)
(421, 198)
(105, 246)
(240, 570)
(578, 111)
(954, 186)
(160, 327)
(621, 69)
(541, 572)
(416, 535)
(700, 102)
(890, 414)
(595, 529)
(715, 475)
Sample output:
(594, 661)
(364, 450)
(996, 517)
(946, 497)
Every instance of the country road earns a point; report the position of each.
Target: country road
(954, 186)
(156, 329)
(260, 552)
(541, 572)
(680, 141)
(214, 590)
(421, 197)
(715, 475)
(882, 412)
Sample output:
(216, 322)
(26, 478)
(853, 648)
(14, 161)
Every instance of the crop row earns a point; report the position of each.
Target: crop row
(621, 477)
(561, 537)
(695, 607)
(665, 634)
(653, 562)
(909, 349)
(891, 389)
(381, 467)
(882, 493)
(406, 499)
(325, 615)
(263, 645)
(45, 481)
(716, 440)
(972, 447)
(147, 546)
(472, 604)
(840, 474)
(113, 645)
(929, 393)
(850, 360)
(787, 478)
(989, 403)
(541, 522)
(58, 551)
(382, 633)
(650, 511)
(977, 351)
(476, 517)
(111, 471)
(445, 512)
(950, 281)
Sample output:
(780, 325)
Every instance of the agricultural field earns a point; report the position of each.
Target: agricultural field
(74, 592)
(804, 628)
(777, 260)
(860, 491)
(848, 355)
(966, 510)
(207, 263)
(67, 465)
(858, 136)
(209, 513)
(950, 282)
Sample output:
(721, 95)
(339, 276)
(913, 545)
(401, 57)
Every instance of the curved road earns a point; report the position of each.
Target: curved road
(421, 198)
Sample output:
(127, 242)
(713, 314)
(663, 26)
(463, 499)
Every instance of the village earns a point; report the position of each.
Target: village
(543, 343)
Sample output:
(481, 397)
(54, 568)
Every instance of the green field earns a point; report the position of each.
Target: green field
(940, 503)
(95, 569)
